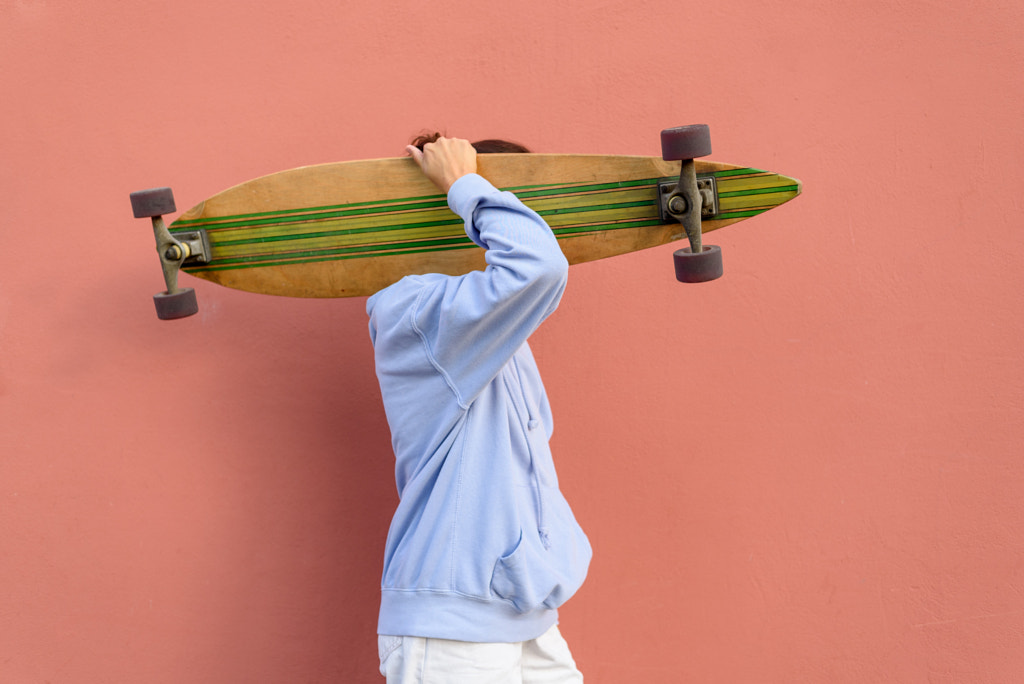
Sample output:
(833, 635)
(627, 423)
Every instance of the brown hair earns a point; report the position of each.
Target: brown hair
(491, 146)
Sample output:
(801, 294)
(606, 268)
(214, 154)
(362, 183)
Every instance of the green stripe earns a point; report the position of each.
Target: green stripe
(746, 213)
(759, 191)
(429, 202)
(598, 207)
(329, 257)
(739, 172)
(598, 227)
(547, 190)
(300, 256)
(300, 216)
(334, 233)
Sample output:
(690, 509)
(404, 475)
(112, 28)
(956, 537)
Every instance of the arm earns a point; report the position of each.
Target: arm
(471, 325)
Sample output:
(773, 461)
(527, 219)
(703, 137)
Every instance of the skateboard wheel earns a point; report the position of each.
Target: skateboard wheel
(178, 305)
(698, 268)
(685, 142)
(154, 202)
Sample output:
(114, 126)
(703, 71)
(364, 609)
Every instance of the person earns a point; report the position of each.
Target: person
(483, 547)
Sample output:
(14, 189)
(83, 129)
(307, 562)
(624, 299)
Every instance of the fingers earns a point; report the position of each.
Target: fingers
(415, 153)
(445, 160)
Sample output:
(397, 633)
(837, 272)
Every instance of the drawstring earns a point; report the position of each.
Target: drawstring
(532, 424)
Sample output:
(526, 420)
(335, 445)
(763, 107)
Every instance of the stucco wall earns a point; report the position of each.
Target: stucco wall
(808, 471)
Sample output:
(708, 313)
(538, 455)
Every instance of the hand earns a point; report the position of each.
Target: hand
(445, 161)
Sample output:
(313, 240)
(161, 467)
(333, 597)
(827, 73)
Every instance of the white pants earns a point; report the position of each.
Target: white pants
(415, 660)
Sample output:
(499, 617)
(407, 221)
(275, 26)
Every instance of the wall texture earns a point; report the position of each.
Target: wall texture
(808, 471)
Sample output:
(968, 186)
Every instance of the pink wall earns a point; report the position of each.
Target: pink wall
(809, 471)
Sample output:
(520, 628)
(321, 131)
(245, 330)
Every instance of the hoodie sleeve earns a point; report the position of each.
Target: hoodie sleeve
(471, 325)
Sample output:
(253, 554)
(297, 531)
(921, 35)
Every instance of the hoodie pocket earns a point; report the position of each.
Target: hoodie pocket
(533, 576)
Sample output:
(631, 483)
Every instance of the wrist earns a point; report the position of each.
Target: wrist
(451, 180)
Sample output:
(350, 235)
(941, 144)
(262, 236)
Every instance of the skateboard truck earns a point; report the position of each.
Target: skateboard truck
(688, 200)
(174, 250)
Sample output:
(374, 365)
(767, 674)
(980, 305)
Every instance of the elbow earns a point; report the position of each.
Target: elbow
(534, 270)
(553, 271)
(561, 268)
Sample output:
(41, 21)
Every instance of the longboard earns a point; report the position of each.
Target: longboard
(351, 228)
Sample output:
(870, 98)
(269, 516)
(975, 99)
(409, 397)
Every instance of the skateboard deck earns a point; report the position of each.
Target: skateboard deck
(351, 228)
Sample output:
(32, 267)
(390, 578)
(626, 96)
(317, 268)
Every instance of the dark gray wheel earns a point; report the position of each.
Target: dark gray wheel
(178, 305)
(685, 142)
(153, 202)
(698, 268)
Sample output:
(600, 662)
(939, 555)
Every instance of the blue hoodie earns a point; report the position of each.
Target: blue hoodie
(483, 546)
